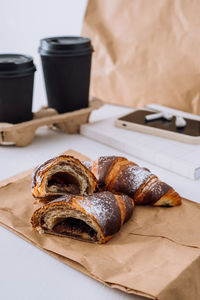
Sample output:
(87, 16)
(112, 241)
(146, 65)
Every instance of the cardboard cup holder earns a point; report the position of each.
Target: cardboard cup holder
(22, 134)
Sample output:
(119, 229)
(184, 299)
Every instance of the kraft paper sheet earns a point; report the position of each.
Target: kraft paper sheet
(156, 254)
(145, 52)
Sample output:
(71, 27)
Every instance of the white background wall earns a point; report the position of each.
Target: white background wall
(24, 22)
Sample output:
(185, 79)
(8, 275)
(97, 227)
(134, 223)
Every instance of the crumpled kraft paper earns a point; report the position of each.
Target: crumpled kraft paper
(145, 52)
(156, 254)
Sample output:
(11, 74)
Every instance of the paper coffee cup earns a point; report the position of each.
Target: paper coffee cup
(66, 65)
(16, 88)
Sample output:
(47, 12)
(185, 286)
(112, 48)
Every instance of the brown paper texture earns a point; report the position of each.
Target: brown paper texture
(145, 52)
(156, 254)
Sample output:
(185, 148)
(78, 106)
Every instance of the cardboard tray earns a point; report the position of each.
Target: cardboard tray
(22, 134)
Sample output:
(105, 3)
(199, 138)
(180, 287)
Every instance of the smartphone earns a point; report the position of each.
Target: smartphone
(160, 127)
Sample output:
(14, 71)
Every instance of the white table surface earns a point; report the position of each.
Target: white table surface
(28, 273)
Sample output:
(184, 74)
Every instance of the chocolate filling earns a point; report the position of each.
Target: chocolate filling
(65, 183)
(74, 227)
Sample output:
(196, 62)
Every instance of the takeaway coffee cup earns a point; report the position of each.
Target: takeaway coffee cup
(66, 65)
(16, 87)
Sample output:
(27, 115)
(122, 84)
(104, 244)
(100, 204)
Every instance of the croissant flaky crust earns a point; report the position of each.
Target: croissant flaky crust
(65, 174)
(94, 218)
(119, 175)
(61, 175)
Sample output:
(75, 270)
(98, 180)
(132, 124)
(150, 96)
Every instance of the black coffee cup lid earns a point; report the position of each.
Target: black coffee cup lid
(65, 45)
(16, 65)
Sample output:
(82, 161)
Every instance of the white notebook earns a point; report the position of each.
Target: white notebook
(177, 157)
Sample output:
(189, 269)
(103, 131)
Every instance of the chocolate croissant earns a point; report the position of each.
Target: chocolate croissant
(93, 218)
(119, 175)
(61, 175)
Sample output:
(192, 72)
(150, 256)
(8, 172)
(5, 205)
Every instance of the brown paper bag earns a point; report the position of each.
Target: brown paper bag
(156, 254)
(145, 52)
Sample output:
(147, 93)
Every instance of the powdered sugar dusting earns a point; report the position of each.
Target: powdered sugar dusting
(87, 164)
(131, 179)
(104, 163)
(105, 159)
(157, 189)
(137, 176)
(98, 205)
(150, 184)
(160, 188)
(103, 206)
